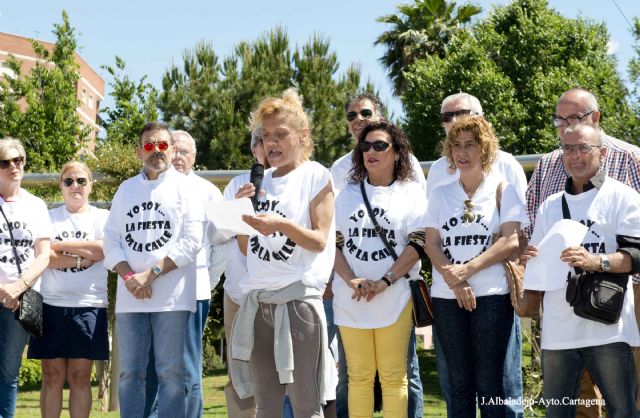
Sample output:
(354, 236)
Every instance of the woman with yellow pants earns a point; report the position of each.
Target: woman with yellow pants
(371, 301)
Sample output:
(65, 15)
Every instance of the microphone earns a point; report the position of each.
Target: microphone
(255, 178)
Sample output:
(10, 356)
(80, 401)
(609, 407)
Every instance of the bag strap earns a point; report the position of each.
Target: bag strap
(377, 227)
(13, 242)
(565, 208)
(499, 196)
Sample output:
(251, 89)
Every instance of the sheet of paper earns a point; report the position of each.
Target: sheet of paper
(546, 271)
(226, 217)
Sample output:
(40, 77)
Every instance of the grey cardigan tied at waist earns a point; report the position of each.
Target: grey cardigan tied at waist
(243, 338)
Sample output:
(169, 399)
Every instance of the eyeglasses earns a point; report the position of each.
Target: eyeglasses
(17, 161)
(448, 116)
(559, 121)
(82, 181)
(182, 152)
(581, 148)
(365, 113)
(469, 215)
(377, 146)
(150, 146)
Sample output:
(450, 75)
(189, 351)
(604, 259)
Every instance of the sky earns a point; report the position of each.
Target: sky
(150, 36)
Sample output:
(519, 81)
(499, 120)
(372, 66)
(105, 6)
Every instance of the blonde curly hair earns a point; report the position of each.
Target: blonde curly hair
(290, 107)
(482, 132)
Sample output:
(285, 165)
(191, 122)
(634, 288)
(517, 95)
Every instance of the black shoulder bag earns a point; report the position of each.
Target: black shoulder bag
(422, 308)
(595, 295)
(29, 314)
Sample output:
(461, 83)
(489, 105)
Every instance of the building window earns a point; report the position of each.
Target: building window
(83, 96)
(90, 101)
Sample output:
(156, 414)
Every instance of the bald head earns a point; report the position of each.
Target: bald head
(576, 105)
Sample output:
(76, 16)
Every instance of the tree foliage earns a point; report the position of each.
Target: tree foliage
(212, 98)
(634, 66)
(518, 61)
(134, 105)
(39, 108)
(421, 28)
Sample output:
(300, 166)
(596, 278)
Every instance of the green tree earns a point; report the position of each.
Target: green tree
(40, 107)
(213, 99)
(634, 68)
(134, 104)
(517, 61)
(421, 28)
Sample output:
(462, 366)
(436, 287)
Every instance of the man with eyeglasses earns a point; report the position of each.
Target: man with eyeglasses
(569, 342)
(210, 264)
(456, 106)
(361, 110)
(151, 239)
(621, 162)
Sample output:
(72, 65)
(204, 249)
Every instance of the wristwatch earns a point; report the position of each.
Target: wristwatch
(157, 270)
(605, 263)
(389, 275)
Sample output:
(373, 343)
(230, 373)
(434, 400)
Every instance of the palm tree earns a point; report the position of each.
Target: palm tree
(422, 28)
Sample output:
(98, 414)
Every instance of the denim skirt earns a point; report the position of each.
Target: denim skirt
(71, 333)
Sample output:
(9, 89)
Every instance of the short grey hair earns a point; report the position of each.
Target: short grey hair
(379, 107)
(474, 103)
(9, 143)
(589, 126)
(256, 135)
(184, 135)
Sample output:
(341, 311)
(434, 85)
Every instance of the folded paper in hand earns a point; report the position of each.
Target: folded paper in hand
(544, 272)
(226, 219)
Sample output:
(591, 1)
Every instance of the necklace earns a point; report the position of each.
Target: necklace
(469, 215)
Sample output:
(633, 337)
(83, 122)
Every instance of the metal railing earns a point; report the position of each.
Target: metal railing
(222, 177)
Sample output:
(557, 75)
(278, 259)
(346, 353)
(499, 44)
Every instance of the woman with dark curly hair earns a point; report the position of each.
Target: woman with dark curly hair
(371, 301)
(472, 310)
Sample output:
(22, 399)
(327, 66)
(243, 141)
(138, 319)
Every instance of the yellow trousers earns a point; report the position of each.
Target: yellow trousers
(382, 349)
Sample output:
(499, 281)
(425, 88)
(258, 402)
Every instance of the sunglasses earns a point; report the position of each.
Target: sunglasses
(365, 113)
(377, 146)
(82, 181)
(150, 146)
(17, 161)
(469, 215)
(448, 116)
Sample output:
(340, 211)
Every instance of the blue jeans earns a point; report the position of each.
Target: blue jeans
(511, 379)
(13, 339)
(416, 403)
(192, 366)
(474, 345)
(613, 371)
(136, 332)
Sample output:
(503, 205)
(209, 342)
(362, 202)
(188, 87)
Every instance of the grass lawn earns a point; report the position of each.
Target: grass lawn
(28, 399)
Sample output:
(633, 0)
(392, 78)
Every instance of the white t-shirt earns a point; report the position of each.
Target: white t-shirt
(366, 254)
(151, 219)
(30, 220)
(209, 193)
(505, 164)
(235, 262)
(462, 242)
(71, 287)
(342, 166)
(612, 210)
(276, 261)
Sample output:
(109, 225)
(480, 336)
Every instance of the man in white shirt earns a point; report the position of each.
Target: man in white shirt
(571, 342)
(210, 264)
(455, 106)
(151, 239)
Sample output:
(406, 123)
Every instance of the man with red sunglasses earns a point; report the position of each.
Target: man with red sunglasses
(151, 239)
(456, 106)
